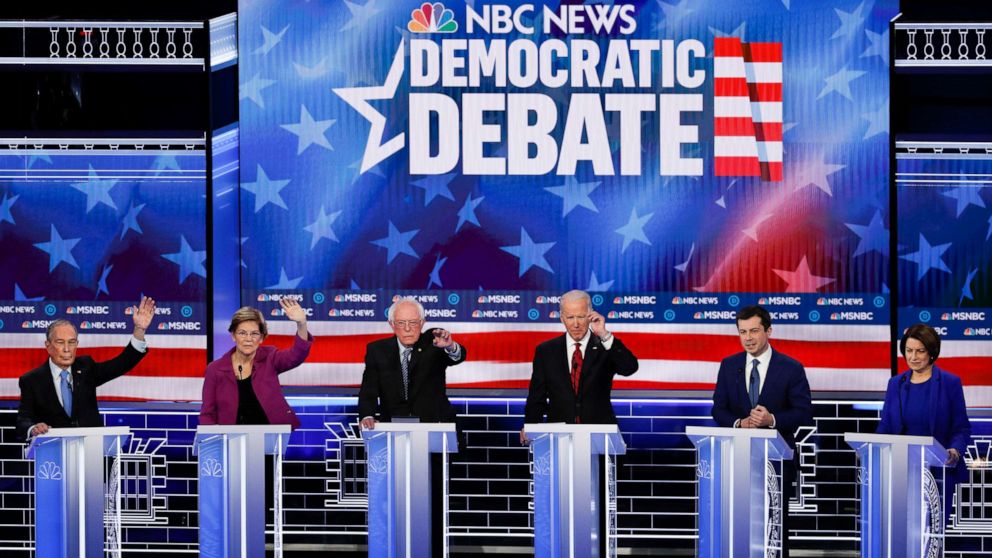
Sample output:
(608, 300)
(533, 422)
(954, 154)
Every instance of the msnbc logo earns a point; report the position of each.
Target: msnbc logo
(432, 18)
(338, 298)
(554, 314)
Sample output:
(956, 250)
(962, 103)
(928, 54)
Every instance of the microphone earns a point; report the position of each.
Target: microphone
(239, 372)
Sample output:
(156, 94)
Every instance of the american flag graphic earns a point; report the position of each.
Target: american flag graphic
(747, 108)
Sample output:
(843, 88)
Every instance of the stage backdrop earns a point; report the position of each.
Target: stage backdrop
(89, 226)
(677, 159)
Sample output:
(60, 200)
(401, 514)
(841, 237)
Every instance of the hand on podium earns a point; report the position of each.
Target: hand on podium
(761, 418)
(952, 457)
(368, 423)
(42, 428)
(523, 438)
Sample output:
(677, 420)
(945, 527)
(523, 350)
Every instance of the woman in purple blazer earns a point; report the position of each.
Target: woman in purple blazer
(242, 387)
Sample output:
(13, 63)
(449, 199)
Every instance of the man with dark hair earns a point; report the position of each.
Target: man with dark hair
(762, 388)
(62, 392)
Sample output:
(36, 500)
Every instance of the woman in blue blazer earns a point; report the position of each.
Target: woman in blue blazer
(928, 401)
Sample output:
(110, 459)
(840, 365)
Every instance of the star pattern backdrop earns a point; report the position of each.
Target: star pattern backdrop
(945, 260)
(85, 234)
(315, 220)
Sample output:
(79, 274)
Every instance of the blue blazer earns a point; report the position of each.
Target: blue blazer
(785, 394)
(948, 417)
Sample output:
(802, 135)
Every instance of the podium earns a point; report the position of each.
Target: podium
(901, 504)
(740, 491)
(399, 485)
(231, 463)
(568, 500)
(70, 493)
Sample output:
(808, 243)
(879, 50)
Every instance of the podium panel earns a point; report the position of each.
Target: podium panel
(568, 500)
(740, 491)
(901, 504)
(231, 463)
(399, 486)
(71, 488)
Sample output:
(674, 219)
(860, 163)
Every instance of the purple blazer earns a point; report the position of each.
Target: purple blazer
(220, 388)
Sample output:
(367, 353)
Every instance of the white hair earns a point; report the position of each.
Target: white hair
(406, 299)
(575, 296)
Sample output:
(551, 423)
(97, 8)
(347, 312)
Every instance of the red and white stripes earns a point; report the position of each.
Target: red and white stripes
(747, 108)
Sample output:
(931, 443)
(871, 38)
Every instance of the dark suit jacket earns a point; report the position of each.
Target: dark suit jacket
(948, 418)
(39, 403)
(382, 382)
(551, 382)
(220, 388)
(785, 394)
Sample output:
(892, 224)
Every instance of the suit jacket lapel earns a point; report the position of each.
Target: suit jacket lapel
(742, 378)
(594, 351)
(935, 399)
(49, 384)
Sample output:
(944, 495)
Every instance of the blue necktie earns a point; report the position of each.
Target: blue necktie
(66, 393)
(405, 366)
(755, 384)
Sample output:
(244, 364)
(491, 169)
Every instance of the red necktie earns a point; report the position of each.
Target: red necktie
(576, 367)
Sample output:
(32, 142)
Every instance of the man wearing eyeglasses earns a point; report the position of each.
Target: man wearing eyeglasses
(405, 375)
(62, 392)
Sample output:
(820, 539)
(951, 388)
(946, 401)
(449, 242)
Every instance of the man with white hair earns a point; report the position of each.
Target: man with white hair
(573, 373)
(405, 374)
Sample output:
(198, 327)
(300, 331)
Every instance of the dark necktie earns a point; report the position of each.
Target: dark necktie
(405, 366)
(576, 367)
(755, 384)
(66, 393)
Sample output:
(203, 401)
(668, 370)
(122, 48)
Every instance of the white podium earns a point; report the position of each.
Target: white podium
(740, 491)
(901, 503)
(71, 489)
(231, 462)
(568, 500)
(399, 485)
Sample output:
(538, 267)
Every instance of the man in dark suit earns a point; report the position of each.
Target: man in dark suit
(62, 392)
(572, 376)
(405, 376)
(763, 388)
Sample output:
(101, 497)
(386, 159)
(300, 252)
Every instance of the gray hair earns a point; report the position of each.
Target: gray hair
(406, 299)
(575, 295)
(55, 324)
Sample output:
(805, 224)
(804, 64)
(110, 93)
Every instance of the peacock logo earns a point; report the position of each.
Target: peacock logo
(432, 18)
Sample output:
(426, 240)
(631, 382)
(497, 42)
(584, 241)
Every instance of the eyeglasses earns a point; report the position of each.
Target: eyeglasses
(62, 343)
(404, 324)
(253, 335)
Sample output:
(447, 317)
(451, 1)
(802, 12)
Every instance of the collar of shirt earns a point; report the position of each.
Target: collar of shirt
(402, 347)
(57, 378)
(583, 343)
(763, 360)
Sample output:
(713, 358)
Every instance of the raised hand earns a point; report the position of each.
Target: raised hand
(442, 338)
(142, 315)
(597, 323)
(293, 310)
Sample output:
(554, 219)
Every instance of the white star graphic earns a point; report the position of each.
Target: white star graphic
(270, 39)
(813, 172)
(321, 228)
(359, 97)
(849, 21)
(266, 191)
(802, 280)
(360, 14)
(878, 121)
(309, 131)
(879, 45)
(841, 83)
(634, 229)
(252, 89)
